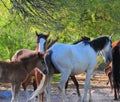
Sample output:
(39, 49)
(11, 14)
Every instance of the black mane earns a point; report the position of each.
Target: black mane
(83, 38)
(99, 43)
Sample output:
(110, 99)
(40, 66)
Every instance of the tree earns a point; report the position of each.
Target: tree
(70, 19)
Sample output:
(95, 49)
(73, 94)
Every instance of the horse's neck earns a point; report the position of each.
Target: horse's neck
(97, 45)
(30, 64)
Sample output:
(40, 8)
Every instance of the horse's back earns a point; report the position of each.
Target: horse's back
(21, 53)
(75, 57)
(115, 43)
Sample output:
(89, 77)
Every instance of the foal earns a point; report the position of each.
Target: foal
(41, 38)
(26, 52)
(16, 72)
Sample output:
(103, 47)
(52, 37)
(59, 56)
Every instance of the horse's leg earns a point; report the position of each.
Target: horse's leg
(48, 89)
(26, 81)
(38, 78)
(66, 84)
(87, 86)
(107, 82)
(110, 80)
(90, 96)
(15, 89)
(76, 85)
(115, 93)
(13, 92)
(64, 78)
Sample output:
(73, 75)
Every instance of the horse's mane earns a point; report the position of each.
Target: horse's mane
(99, 43)
(83, 38)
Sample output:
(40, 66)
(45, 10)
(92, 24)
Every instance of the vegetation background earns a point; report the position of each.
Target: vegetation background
(69, 19)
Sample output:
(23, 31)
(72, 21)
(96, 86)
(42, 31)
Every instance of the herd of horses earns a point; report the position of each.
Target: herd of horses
(69, 60)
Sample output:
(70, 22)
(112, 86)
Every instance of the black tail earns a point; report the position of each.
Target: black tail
(116, 71)
(49, 63)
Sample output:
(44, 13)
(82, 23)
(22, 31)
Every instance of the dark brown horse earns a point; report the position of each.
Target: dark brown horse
(108, 69)
(16, 72)
(116, 71)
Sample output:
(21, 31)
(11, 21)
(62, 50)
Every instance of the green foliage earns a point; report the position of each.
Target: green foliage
(70, 19)
(15, 34)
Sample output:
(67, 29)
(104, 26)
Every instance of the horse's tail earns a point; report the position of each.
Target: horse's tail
(49, 63)
(116, 70)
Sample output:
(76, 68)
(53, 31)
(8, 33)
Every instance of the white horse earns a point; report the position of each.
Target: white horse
(75, 59)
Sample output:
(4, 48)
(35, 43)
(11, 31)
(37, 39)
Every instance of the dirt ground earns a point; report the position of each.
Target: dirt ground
(100, 91)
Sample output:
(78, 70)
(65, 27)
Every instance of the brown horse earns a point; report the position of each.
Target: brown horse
(16, 72)
(35, 72)
(116, 71)
(108, 69)
(26, 52)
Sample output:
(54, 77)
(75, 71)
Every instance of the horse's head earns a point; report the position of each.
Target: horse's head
(107, 50)
(41, 40)
(41, 64)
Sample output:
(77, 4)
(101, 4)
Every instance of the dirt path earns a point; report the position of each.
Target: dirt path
(100, 91)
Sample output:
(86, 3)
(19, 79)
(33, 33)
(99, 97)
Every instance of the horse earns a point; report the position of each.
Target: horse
(73, 60)
(41, 38)
(16, 72)
(108, 69)
(116, 71)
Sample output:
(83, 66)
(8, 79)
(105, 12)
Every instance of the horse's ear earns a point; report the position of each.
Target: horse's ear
(48, 35)
(36, 33)
(111, 36)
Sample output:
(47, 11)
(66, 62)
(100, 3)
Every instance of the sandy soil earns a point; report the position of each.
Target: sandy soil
(100, 91)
